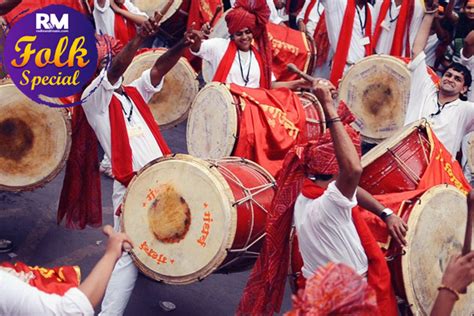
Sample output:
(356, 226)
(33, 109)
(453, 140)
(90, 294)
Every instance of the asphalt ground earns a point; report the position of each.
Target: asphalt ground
(29, 220)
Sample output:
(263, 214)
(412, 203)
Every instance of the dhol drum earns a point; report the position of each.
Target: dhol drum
(470, 153)
(288, 46)
(377, 90)
(214, 120)
(398, 163)
(171, 105)
(437, 223)
(150, 7)
(34, 140)
(189, 217)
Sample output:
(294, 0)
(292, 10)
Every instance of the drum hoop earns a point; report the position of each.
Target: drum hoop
(470, 152)
(318, 107)
(391, 142)
(232, 112)
(226, 242)
(413, 220)
(310, 45)
(48, 178)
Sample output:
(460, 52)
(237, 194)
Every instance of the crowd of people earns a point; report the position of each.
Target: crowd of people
(318, 179)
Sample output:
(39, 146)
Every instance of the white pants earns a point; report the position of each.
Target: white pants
(121, 283)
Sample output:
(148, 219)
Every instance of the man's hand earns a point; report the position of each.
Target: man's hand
(325, 91)
(397, 228)
(206, 30)
(193, 38)
(117, 243)
(150, 26)
(460, 272)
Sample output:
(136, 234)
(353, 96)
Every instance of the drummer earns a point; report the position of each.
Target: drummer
(449, 115)
(328, 228)
(237, 60)
(129, 135)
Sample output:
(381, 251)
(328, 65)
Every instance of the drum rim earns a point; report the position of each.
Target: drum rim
(227, 242)
(413, 220)
(233, 112)
(66, 115)
(318, 107)
(193, 75)
(391, 142)
(350, 71)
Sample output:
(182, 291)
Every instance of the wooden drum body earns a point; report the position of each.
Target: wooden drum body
(170, 106)
(189, 217)
(34, 141)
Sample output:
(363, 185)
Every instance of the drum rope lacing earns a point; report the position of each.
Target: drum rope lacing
(404, 167)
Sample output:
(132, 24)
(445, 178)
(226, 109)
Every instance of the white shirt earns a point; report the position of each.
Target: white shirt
(430, 49)
(326, 232)
(335, 10)
(384, 44)
(313, 17)
(104, 17)
(455, 120)
(20, 298)
(213, 50)
(96, 107)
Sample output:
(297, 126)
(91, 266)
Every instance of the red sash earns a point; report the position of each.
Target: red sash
(378, 275)
(344, 42)
(228, 59)
(122, 167)
(308, 11)
(402, 28)
(124, 29)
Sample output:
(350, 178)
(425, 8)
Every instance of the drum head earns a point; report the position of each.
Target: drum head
(170, 106)
(152, 6)
(470, 152)
(377, 90)
(212, 127)
(34, 141)
(437, 225)
(178, 212)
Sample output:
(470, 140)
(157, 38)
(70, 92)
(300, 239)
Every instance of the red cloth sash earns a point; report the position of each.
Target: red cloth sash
(56, 280)
(124, 29)
(308, 11)
(378, 275)
(228, 59)
(321, 40)
(402, 28)
(122, 167)
(344, 42)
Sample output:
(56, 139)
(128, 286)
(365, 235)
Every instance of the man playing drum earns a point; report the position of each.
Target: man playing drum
(129, 135)
(450, 117)
(328, 228)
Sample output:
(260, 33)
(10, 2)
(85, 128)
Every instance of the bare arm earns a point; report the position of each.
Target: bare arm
(292, 85)
(424, 31)
(348, 160)
(195, 38)
(468, 49)
(135, 18)
(8, 5)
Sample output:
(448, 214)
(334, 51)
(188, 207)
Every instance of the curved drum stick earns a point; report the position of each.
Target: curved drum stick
(305, 76)
(468, 235)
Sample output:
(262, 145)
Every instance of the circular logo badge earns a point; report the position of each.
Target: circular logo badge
(51, 53)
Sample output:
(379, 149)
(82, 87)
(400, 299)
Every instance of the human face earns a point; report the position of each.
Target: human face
(469, 10)
(243, 39)
(452, 83)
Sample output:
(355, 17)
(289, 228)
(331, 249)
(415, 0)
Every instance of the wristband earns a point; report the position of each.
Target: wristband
(386, 212)
(449, 289)
(333, 120)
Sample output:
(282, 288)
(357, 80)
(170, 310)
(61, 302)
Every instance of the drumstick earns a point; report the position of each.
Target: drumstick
(216, 13)
(305, 76)
(468, 235)
(108, 230)
(163, 11)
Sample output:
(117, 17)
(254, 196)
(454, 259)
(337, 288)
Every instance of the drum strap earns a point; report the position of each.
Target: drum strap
(124, 29)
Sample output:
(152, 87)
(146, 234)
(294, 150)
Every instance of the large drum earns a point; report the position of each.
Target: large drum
(214, 120)
(189, 217)
(152, 6)
(437, 224)
(398, 163)
(34, 141)
(377, 90)
(170, 106)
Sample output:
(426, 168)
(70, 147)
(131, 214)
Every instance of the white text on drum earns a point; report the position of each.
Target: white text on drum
(158, 257)
(206, 229)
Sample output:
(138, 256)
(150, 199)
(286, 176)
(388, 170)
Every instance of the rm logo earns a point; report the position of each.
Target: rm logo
(50, 22)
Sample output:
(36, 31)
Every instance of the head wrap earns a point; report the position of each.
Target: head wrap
(253, 14)
(335, 289)
(105, 44)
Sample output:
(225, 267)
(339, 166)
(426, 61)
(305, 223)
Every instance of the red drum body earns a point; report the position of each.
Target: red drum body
(189, 217)
(398, 163)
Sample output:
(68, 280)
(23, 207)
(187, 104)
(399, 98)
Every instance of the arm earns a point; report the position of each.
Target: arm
(135, 18)
(396, 226)
(443, 35)
(450, 14)
(292, 85)
(195, 38)
(8, 5)
(348, 160)
(468, 49)
(167, 61)
(424, 31)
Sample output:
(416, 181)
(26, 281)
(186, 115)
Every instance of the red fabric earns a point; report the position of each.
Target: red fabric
(124, 29)
(335, 289)
(378, 275)
(322, 40)
(378, 25)
(228, 59)
(310, 7)
(105, 44)
(56, 280)
(122, 167)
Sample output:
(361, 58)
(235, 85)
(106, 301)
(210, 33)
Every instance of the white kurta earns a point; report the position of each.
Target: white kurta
(326, 232)
(104, 17)
(313, 17)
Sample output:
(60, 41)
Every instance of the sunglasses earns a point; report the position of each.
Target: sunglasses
(240, 33)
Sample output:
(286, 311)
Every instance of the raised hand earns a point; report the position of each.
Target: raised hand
(397, 228)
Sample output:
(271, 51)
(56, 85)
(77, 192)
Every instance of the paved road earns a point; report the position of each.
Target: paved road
(29, 219)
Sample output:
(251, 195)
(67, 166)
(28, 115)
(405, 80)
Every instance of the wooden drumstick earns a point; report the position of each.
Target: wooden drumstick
(163, 11)
(214, 17)
(305, 76)
(108, 230)
(468, 235)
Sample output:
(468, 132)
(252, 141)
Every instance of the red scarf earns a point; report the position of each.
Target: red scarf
(124, 29)
(344, 42)
(310, 7)
(122, 167)
(228, 59)
(402, 28)
(378, 275)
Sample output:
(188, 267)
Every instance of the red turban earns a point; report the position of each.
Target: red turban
(105, 44)
(335, 289)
